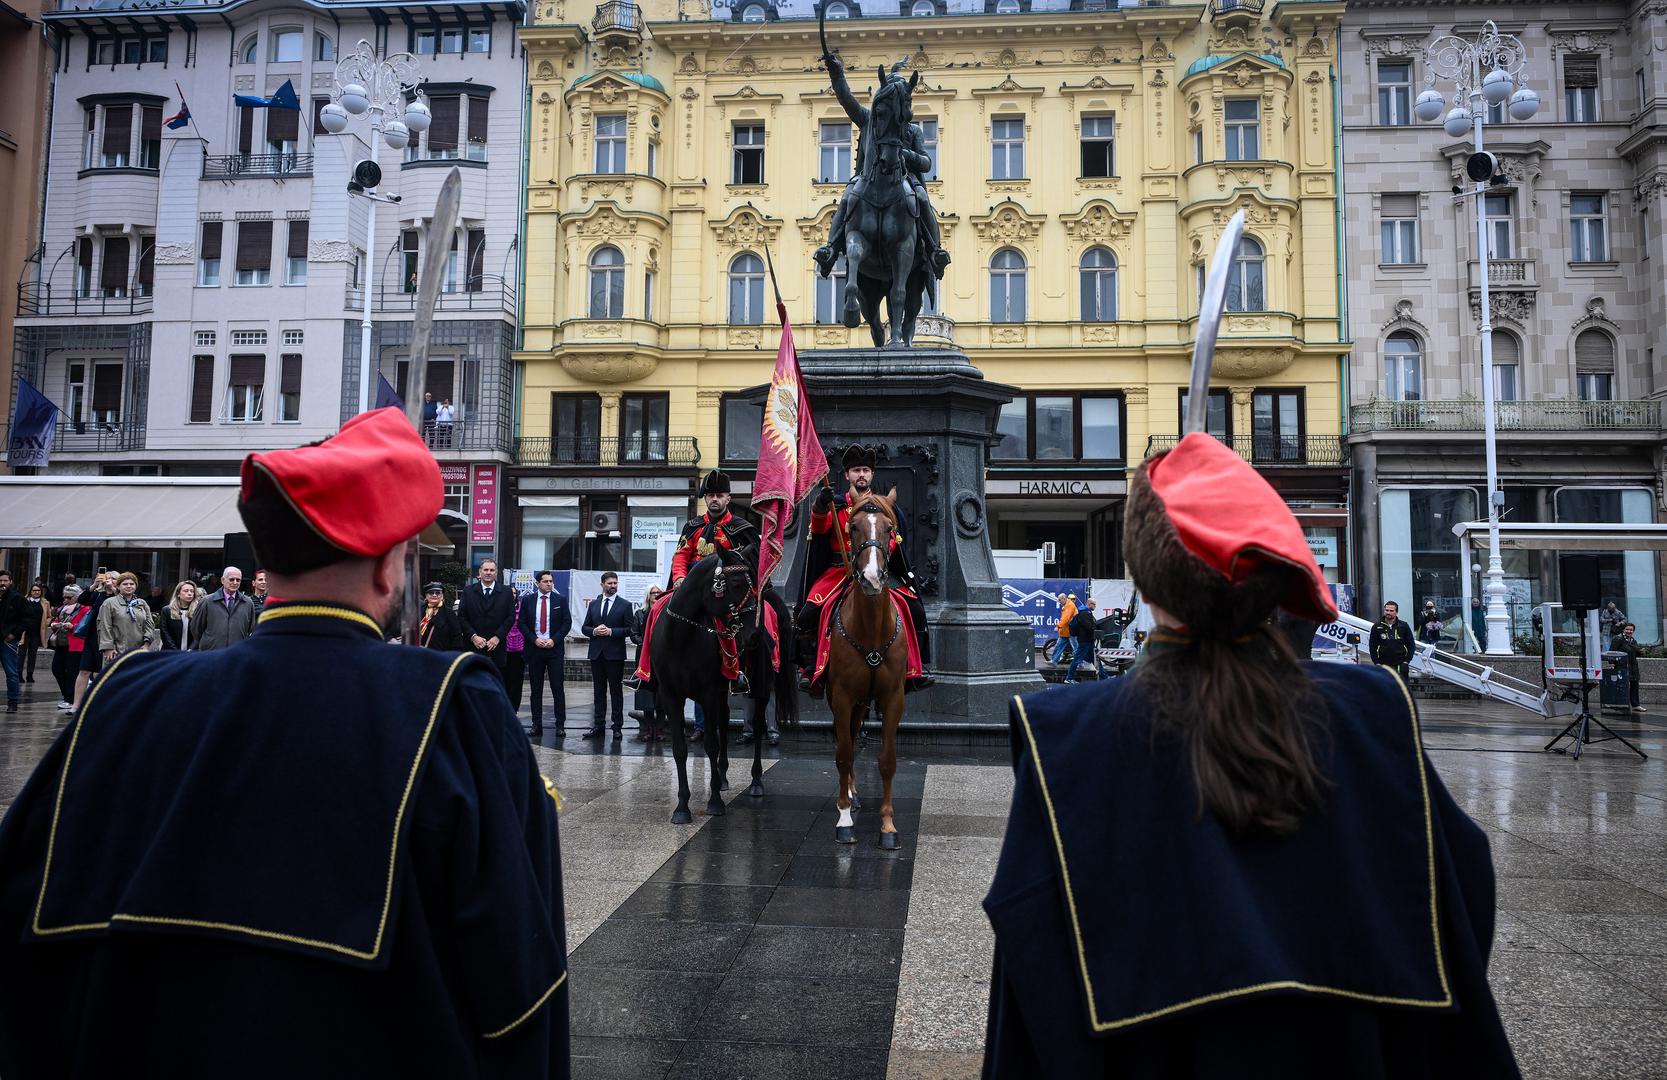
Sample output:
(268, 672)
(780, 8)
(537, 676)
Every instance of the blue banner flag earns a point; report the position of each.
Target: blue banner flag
(386, 395)
(34, 422)
(283, 98)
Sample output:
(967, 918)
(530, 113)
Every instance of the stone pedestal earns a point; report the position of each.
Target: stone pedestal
(931, 414)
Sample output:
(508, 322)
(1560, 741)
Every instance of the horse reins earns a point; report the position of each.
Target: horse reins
(872, 657)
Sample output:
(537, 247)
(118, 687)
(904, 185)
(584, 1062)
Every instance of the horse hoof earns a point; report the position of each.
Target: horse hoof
(715, 808)
(845, 834)
(681, 816)
(889, 841)
(756, 790)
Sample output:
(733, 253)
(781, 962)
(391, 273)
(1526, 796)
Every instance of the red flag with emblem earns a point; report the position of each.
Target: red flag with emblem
(790, 458)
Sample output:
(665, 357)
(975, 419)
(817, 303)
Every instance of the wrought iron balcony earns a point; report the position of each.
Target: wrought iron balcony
(1466, 415)
(1234, 7)
(481, 292)
(617, 17)
(38, 298)
(466, 435)
(91, 436)
(1273, 451)
(257, 166)
(679, 451)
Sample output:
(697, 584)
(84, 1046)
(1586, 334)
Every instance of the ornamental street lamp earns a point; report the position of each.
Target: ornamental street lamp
(377, 88)
(1483, 73)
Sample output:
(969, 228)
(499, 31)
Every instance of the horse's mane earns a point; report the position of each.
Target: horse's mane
(886, 506)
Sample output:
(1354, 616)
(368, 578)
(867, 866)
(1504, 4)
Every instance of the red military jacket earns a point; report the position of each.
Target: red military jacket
(728, 532)
(833, 528)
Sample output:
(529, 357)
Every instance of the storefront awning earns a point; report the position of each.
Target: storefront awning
(1552, 536)
(120, 512)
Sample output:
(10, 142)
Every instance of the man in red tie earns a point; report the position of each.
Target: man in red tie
(545, 622)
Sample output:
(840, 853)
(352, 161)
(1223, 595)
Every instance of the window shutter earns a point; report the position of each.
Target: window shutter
(248, 371)
(254, 245)
(289, 379)
(1580, 71)
(1506, 350)
(84, 254)
(1399, 206)
(114, 273)
(298, 238)
(150, 126)
(245, 129)
(1594, 352)
(480, 115)
(282, 125)
(318, 118)
(118, 128)
(442, 132)
(202, 389)
(211, 239)
(107, 388)
(147, 261)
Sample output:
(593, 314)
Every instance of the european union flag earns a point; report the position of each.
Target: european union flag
(283, 98)
(386, 395)
(34, 422)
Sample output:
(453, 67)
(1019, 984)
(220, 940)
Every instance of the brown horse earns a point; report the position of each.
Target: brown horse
(867, 658)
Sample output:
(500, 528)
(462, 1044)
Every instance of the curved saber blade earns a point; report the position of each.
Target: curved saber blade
(437, 238)
(1210, 307)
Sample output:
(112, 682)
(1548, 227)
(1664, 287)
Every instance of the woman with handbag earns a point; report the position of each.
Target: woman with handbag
(86, 628)
(124, 621)
(66, 647)
(177, 616)
(515, 660)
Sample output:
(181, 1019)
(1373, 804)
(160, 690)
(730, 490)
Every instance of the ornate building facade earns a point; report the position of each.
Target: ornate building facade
(1086, 158)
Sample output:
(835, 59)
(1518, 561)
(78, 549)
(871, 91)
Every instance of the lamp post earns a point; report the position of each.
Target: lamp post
(1483, 73)
(377, 88)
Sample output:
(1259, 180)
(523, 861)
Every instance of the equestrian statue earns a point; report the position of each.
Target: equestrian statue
(885, 226)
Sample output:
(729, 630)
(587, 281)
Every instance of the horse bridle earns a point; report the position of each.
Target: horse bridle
(872, 657)
(732, 618)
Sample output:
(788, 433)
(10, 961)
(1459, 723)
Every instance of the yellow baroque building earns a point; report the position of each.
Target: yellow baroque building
(1087, 157)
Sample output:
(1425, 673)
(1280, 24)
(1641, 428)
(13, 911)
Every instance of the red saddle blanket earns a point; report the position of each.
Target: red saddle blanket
(726, 646)
(825, 632)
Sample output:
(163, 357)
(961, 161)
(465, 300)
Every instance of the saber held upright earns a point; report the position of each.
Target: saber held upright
(1210, 309)
(437, 237)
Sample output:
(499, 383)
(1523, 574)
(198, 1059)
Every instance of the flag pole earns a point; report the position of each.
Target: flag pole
(769, 262)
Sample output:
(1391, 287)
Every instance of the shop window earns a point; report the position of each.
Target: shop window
(1013, 431)
(1218, 416)
(741, 424)
(575, 429)
(1628, 579)
(1060, 427)
(1102, 428)
(551, 536)
(1420, 557)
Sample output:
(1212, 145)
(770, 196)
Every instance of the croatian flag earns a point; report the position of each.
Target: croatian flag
(181, 118)
(790, 458)
(34, 422)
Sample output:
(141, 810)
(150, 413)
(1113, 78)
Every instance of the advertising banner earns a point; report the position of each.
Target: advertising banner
(483, 505)
(1036, 600)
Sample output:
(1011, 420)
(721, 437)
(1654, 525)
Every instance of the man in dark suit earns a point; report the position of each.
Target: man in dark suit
(545, 622)
(607, 623)
(487, 610)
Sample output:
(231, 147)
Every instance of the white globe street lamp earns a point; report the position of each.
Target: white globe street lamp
(418, 116)
(1463, 63)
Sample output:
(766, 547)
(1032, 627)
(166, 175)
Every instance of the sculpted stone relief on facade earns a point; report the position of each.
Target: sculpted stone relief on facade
(1007, 223)
(1403, 320)
(746, 228)
(1511, 307)
(176, 254)
(330, 251)
(608, 367)
(1099, 220)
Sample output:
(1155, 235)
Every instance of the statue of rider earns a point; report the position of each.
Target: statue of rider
(916, 162)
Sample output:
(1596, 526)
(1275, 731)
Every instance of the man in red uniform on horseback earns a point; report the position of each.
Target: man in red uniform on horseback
(829, 567)
(716, 530)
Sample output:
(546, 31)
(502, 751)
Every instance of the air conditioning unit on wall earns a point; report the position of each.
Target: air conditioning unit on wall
(604, 521)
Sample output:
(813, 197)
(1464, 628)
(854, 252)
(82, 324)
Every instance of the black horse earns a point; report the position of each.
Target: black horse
(686, 658)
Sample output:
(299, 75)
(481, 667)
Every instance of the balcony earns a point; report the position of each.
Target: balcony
(93, 436)
(1549, 416)
(484, 292)
(465, 435)
(1506, 274)
(617, 17)
(257, 166)
(37, 298)
(1273, 451)
(1250, 8)
(680, 451)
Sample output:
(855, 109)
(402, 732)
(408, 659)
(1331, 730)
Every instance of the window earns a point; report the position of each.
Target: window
(1499, 211)
(1056, 427)
(287, 46)
(1643, 88)
(1099, 285)
(150, 137)
(89, 148)
(324, 48)
(1398, 230)
(409, 258)
(283, 132)
(1198, 146)
(146, 278)
(1218, 414)
(610, 143)
(426, 40)
(84, 266)
(202, 387)
(607, 284)
(203, 339)
(254, 252)
(1507, 364)
(753, 13)
(245, 130)
(837, 10)
(1007, 286)
(748, 167)
(1053, 428)
(1394, 93)
(293, 338)
(1012, 431)
(118, 136)
(479, 125)
(451, 42)
(474, 278)
(76, 400)
(648, 296)
(575, 428)
(102, 52)
(244, 389)
(1244, 130)
(746, 290)
(209, 255)
(1102, 428)
(480, 41)
(1420, 555)
(834, 142)
(440, 140)
(1098, 158)
(248, 339)
(929, 131)
(642, 427)
(1594, 365)
(1245, 290)
(741, 423)
(112, 275)
(830, 294)
(448, 280)
(295, 263)
(1403, 367)
(921, 8)
(1007, 149)
(289, 388)
(246, 51)
(107, 393)
(1588, 234)
(1276, 425)
(1007, 7)
(653, 157)
(1580, 88)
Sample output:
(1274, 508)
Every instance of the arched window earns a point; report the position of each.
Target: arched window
(607, 283)
(1007, 7)
(1099, 285)
(1594, 365)
(246, 51)
(287, 45)
(923, 7)
(837, 10)
(1007, 286)
(830, 294)
(324, 48)
(1245, 291)
(746, 290)
(1507, 366)
(753, 13)
(1403, 367)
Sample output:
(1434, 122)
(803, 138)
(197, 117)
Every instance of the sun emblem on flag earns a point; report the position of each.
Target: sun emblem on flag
(781, 416)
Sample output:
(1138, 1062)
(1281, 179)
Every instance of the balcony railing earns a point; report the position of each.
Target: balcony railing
(1229, 7)
(257, 166)
(615, 16)
(679, 451)
(465, 435)
(483, 292)
(1506, 273)
(91, 436)
(1273, 451)
(38, 298)
(1508, 416)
